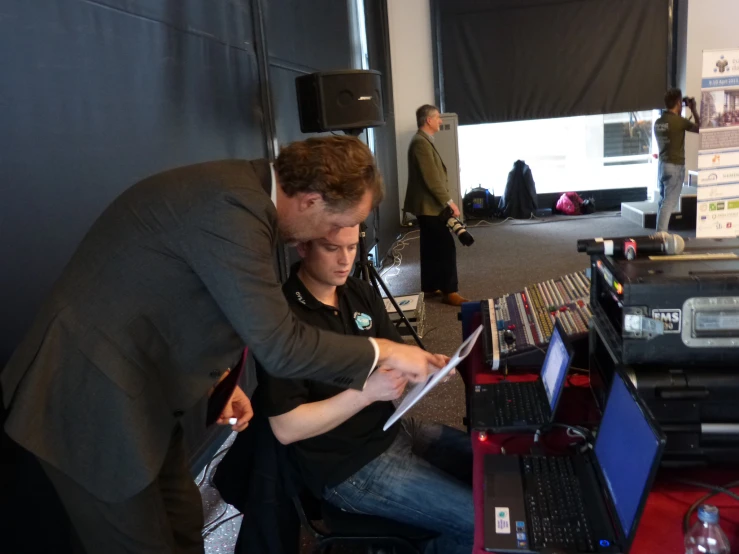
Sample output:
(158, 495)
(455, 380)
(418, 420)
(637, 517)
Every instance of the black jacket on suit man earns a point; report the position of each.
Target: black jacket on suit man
(165, 290)
(257, 477)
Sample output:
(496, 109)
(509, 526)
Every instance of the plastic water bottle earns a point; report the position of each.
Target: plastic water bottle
(706, 536)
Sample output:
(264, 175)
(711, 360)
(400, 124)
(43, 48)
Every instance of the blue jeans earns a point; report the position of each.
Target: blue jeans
(671, 179)
(423, 479)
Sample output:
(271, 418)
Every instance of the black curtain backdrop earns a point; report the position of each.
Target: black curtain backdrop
(292, 28)
(98, 94)
(384, 226)
(509, 60)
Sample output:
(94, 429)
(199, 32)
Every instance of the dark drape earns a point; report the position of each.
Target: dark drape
(97, 94)
(291, 30)
(508, 60)
(385, 226)
(94, 96)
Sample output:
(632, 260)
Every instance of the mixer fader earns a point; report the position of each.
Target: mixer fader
(521, 323)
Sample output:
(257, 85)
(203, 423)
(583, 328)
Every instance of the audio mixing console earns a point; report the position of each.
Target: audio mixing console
(518, 326)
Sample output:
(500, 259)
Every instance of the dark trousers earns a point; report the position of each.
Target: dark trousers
(438, 256)
(166, 517)
(424, 479)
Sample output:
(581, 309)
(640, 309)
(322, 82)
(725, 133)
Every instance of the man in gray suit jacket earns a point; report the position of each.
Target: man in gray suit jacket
(162, 295)
(426, 196)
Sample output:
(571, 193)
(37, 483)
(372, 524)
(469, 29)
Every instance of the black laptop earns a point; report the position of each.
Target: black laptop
(580, 503)
(523, 406)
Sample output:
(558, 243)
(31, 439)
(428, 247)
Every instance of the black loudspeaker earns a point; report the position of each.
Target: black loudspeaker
(339, 100)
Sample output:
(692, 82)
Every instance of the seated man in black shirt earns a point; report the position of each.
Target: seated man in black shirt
(417, 473)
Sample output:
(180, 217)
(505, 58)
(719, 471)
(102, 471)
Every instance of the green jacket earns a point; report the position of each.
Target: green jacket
(428, 188)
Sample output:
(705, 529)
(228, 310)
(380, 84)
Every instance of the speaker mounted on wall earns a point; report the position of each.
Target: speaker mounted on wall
(348, 100)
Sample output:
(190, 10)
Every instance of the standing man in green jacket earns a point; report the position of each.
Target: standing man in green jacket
(427, 195)
(670, 130)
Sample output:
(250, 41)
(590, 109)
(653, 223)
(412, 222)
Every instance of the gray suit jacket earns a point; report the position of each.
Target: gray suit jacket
(428, 187)
(166, 288)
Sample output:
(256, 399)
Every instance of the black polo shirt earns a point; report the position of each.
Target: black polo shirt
(329, 459)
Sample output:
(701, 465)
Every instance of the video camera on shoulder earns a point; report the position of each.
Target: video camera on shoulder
(456, 226)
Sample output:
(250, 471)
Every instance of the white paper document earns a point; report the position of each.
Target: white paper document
(420, 389)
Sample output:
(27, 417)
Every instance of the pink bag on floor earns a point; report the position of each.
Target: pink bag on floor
(569, 203)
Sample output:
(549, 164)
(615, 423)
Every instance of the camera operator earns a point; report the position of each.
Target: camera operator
(670, 132)
(427, 195)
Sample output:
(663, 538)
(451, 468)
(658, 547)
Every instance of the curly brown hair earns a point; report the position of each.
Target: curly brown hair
(340, 168)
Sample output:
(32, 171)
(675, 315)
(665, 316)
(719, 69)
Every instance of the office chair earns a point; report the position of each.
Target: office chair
(340, 527)
(257, 473)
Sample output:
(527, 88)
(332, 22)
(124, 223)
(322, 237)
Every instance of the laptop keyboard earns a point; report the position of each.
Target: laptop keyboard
(555, 504)
(517, 403)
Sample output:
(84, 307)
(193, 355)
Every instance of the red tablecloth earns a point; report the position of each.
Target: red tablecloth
(660, 528)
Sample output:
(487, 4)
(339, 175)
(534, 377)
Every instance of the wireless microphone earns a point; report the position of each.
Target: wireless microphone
(628, 247)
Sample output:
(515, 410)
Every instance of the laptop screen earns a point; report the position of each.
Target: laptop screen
(625, 448)
(554, 370)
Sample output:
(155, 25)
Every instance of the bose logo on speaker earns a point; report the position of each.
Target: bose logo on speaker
(364, 98)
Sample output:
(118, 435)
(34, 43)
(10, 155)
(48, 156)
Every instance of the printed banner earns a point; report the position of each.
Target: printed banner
(718, 158)
(719, 176)
(718, 218)
(719, 192)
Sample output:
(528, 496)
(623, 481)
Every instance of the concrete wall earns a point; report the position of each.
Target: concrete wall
(411, 57)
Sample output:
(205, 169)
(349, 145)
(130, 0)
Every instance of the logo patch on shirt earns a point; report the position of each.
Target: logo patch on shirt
(300, 297)
(363, 321)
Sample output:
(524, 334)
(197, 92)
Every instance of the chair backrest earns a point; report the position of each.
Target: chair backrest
(309, 510)
(343, 526)
(252, 479)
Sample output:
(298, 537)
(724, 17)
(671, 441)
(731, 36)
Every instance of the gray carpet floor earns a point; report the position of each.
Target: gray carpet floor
(505, 257)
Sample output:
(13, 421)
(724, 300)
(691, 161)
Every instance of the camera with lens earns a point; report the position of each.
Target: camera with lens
(456, 226)
(688, 100)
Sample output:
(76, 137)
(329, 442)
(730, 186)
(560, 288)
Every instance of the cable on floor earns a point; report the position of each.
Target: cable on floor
(716, 491)
(207, 532)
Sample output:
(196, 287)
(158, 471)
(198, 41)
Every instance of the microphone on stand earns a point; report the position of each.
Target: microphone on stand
(628, 247)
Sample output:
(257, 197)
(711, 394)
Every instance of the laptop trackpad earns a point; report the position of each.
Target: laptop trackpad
(503, 476)
(506, 529)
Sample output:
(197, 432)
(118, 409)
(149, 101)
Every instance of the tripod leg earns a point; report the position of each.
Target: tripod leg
(376, 279)
(364, 262)
(361, 272)
(373, 276)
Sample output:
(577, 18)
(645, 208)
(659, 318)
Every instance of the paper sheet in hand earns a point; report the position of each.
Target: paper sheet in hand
(420, 390)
